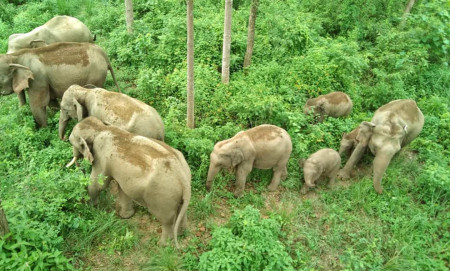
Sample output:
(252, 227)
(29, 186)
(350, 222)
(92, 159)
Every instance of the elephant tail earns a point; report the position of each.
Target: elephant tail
(113, 76)
(183, 209)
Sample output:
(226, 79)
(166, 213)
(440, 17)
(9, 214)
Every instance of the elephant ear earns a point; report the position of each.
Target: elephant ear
(80, 109)
(21, 75)
(236, 157)
(365, 132)
(37, 43)
(84, 149)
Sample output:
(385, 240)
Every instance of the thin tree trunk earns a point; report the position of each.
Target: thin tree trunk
(129, 15)
(251, 33)
(4, 228)
(226, 42)
(407, 11)
(190, 64)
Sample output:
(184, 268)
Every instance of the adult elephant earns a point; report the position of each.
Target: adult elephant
(113, 108)
(57, 29)
(148, 172)
(393, 126)
(48, 71)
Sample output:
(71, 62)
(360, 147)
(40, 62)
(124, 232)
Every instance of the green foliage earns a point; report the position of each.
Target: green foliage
(247, 243)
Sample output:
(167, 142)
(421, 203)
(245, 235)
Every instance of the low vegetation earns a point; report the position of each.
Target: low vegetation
(302, 49)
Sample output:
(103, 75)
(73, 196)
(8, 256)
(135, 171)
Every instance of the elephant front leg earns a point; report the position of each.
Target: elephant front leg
(241, 176)
(380, 164)
(278, 174)
(39, 99)
(22, 98)
(126, 208)
(94, 188)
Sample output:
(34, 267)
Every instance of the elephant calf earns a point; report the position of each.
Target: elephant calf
(323, 163)
(112, 108)
(334, 104)
(393, 126)
(348, 142)
(263, 147)
(148, 172)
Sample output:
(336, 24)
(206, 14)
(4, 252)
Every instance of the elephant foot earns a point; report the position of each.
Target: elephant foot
(272, 188)
(126, 213)
(379, 190)
(343, 175)
(238, 193)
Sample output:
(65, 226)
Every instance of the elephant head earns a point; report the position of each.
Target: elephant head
(226, 154)
(13, 77)
(82, 137)
(348, 142)
(311, 170)
(72, 107)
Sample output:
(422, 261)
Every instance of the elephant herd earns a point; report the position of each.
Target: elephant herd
(123, 138)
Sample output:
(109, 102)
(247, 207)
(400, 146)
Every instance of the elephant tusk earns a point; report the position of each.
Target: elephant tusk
(72, 162)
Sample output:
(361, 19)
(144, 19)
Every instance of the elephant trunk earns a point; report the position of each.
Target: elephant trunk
(353, 160)
(380, 164)
(63, 119)
(212, 172)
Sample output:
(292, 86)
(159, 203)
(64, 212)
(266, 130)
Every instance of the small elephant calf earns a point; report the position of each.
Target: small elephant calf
(348, 142)
(335, 104)
(323, 163)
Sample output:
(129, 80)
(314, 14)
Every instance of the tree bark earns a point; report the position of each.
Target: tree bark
(190, 64)
(226, 42)
(251, 33)
(4, 228)
(407, 11)
(129, 15)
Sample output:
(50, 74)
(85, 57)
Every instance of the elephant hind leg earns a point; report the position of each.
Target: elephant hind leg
(279, 173)
(126, 208)
(332, 177)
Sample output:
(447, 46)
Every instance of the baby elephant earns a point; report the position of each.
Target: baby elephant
(334, 104)
(148, 172)
(323, 163)
(349, 142)
(263, 147)
(112, 108)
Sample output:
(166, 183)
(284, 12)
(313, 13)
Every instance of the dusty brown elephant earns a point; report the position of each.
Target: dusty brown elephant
(110, 107)
(393, 126)
(264, 147)
(322, 163)
(148, 172)
(48, 71)
(57, 29)
(348, 142)
(335, 104)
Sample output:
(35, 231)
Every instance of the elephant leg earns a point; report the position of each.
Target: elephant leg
(22, 98)
(126, 208)
(357, 154)
(332, 177)
(167, 233)
(94, 188)
(278, 174)
(40, 116)
(39, 99)
(241, 176)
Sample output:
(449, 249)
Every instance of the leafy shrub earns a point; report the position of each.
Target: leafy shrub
(247, 243)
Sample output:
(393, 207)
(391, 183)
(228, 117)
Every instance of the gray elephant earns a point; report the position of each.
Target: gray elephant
(348, 142)
(148, 172)
(264, 147)
(58, 29)
(110, 107)
(393, 126)
(48, 71)
(335, 104)
(321, 164)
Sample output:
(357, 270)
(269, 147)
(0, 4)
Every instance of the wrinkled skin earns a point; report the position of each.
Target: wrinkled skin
(58, 29)
(263, 147)
(393, 126)
(112, 108)
(323, 163)
(335, 104)
(148, 172)
(348, 142)
(48, 71)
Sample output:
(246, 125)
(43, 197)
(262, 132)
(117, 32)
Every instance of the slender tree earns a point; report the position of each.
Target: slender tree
(190, 64)
(129, 15)
(4, 228)
(251, 33)
(226, 42)
(407, 11)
